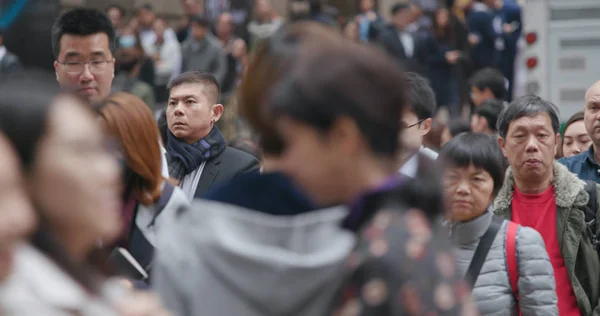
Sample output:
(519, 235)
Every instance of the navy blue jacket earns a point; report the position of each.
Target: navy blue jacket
(583, 165)
(481, 23)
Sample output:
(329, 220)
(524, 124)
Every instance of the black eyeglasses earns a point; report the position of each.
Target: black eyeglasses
(409, 126)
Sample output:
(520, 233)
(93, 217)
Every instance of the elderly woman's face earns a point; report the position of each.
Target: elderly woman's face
(468, 192)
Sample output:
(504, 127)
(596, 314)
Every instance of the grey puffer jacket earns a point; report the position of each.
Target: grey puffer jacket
(492, 291)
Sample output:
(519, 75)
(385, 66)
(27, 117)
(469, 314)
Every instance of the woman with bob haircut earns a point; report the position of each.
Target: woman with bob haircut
(149, 200)
(473, 173)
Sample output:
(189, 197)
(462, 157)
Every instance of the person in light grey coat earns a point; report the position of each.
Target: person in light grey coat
(473, 174)
(256, 248)
(202, 52)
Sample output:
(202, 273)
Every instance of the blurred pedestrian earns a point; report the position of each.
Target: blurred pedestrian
(83, 43)
(586, 164)
(416, 121)
(574, 139)
(486, 84)
(131, 66)
(150, 202)
(512, 25)
(406, 48)
(9, 63)
(486, 116)
(116, 14)
(201, 53)
(453, 129)
(146, 17)
(197, 154)
(443, 56)
(370, 24)
(486, 35)
(351, 29)
(167, 61)
(265, 23)
(473, 174)
(541, 193)
(190, 8)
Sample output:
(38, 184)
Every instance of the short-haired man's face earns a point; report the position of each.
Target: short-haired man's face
(224, 26)
(146, 17)
(92, 80)
(591, 113)
(318, 162)
(530, 146)
(402, 18)
(478, 123)
(192, 111)
(479, 95)
(366, 5)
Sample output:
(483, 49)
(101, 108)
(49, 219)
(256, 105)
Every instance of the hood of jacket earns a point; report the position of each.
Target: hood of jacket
(271, 264)
(568, 188)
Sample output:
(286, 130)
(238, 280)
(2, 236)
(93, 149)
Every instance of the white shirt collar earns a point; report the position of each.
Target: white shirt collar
(411, 166)
(2, 52)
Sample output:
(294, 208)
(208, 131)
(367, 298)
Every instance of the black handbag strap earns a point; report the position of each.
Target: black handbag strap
(482, 250)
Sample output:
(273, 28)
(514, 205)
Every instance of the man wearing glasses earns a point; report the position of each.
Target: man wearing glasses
(83, 42)
(416, 121)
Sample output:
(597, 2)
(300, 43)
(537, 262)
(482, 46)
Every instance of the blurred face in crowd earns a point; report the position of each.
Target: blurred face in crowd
(115, 17)
(92, 80)
(576, 139)
(479, 124)
(320, 161)
(402, 18)
(446, 136)
(224, 26)
(146, 17)
(17, 218)
(442, 17)
(411, 137)
(239, 49)
(129, 51)
(591, 113)
(478, 96)
(468, 191)
(159, 27)
(190, 7)
(263, 9)
(192, 111)
(366, 5)
(351, 31)
(75, 181)
(530, 147)
(199, 31)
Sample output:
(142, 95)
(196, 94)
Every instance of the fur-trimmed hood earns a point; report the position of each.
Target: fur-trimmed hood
(568, 188)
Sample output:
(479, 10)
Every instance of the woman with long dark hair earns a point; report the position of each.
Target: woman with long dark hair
(73, 182)
(444, 56)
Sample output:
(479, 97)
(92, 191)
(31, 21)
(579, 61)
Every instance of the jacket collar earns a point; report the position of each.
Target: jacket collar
(465, 233)
(569, 189)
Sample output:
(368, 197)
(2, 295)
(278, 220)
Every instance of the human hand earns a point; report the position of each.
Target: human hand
(473, 39)
(452, 56)
(142, 304)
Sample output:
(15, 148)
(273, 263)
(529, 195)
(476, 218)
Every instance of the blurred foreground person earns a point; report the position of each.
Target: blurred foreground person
(473, 174)
(353, 135)
(575, 138)
(17, 217)
(149, 200)
(73, 182)
(541, 193)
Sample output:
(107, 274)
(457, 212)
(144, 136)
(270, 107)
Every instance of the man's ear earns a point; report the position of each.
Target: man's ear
(217, 112)
(425, 126)
(502, 145)
(56, 69)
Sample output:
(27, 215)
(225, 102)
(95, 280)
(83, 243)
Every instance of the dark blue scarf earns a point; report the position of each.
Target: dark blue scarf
(184, 158)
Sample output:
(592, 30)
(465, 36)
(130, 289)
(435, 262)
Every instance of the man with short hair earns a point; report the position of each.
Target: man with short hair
(485, 117)
(197, 153)
(116, 14)
(83, 43)
(201, 53)
(541, 193)
(417, 121)
(486, 84)
(587, 164)
(146, 17)
(9, 63)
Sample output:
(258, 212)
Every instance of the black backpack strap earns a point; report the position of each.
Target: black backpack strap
(591, 210)
(482, 250)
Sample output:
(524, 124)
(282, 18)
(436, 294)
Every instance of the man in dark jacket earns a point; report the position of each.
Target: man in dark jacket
(405, 47)
(197, 154)
(486, 35)
(9, 63)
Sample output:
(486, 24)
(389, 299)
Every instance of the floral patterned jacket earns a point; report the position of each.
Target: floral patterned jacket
(401, 267)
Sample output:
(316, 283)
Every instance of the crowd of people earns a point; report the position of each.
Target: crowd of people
(353, 201)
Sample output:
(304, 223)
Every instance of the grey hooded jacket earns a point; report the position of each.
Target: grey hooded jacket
(492, 291)
(226, 260)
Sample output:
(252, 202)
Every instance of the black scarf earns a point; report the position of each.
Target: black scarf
(184, 158)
